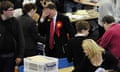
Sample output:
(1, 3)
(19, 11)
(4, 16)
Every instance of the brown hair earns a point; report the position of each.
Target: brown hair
(5, 5)
(51, 6)
(28, 7)
(108, 19)
(82, 25)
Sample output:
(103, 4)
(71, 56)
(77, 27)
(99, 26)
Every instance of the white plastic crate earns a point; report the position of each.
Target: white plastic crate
(40, 64)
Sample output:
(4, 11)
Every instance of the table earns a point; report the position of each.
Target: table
(67, 69)
(82, 15)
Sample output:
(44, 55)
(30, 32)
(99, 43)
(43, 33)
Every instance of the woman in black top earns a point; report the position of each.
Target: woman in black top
(95, 57)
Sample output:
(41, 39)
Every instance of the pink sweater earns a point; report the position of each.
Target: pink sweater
(111, 40)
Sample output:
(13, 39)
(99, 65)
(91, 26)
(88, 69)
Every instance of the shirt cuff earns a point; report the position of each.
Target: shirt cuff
(41, 20)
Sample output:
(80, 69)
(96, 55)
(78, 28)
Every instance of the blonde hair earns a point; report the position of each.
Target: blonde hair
(95, 51)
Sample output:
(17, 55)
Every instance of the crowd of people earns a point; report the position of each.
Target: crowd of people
(42, 21)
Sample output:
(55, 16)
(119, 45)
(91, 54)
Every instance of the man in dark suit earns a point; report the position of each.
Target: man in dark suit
(62, 30)
(29, 28)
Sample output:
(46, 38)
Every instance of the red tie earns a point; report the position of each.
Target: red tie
(51, 38)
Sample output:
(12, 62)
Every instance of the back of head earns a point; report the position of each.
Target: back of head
(108, 19)
(82, 25)
(5, 5)
(28, 7)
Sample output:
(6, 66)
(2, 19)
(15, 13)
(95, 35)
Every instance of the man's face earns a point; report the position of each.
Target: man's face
(8, 13)
(106, 26)
(46, 11)
(51, 13)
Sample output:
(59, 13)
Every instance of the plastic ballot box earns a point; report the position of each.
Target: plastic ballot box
(40, 63)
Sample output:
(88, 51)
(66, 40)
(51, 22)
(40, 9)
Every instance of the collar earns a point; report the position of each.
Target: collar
(76, 35)
(54, 18)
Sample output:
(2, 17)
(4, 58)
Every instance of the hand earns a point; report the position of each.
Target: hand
(45, 13)
(42, 39)
(18, 60)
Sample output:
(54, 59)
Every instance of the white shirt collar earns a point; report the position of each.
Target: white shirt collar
(54, 18)
(76, 35)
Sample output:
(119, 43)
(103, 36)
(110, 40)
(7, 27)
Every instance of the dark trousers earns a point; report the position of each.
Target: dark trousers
(7, 64)
(57, 51)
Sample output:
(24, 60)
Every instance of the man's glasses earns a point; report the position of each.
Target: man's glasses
(10, 9)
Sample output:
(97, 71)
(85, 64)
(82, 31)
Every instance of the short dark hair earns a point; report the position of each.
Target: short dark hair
(82, 25)
(5, 5)
(28, 7)
(51, 6)
(108, 19)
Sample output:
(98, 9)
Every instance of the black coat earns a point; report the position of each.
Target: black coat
(30, 35)
(11, 37)
(66, 28)
(75, 52)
